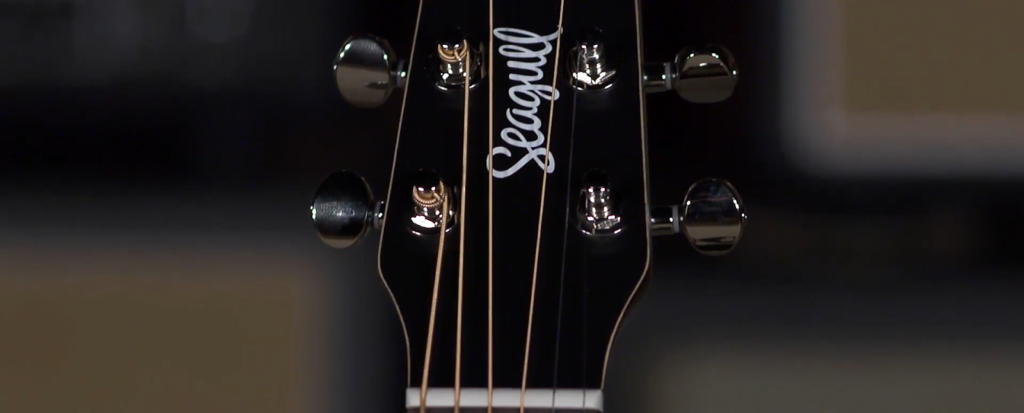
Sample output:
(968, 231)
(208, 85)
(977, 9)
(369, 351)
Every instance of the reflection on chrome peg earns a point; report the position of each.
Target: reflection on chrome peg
(712, 217)
(454, 51)
(589, 65)
(596, 212)
(705, 74)
(367, 70)
(343, 210)
(429, 194)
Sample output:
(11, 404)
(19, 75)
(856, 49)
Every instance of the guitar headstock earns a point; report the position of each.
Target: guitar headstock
(516, 230)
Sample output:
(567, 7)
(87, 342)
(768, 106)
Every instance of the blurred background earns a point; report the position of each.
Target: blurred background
(158, 157)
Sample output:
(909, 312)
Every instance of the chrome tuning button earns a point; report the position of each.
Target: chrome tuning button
(367, 70)
(706, 74)
(343, 210)
(712, 217)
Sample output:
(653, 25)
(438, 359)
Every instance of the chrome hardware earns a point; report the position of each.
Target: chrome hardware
(452, 51)
(589, 66)
(596, 212)
(712, 217)
(699, 75)
(366, 71)
(665, 220)
(343, 210)
(428, 196)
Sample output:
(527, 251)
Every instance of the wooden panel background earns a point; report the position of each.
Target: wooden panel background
(121, 329)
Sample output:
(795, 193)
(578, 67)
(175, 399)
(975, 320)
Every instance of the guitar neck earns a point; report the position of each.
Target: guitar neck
(506, 400)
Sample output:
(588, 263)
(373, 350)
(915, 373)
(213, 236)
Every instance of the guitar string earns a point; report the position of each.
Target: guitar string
(433, 303)
(540, 218)
(462, 225)
(585, 253)
(394, 165)
(490, 390)
(565, 245)
(647, 210)
(490, 210)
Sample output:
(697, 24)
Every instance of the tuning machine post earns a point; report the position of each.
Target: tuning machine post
(705, 74)
(598, 213)
(343, 210)
(712, 217)
(589, 64)
(366, 70)
(458, 59)
(429, 194)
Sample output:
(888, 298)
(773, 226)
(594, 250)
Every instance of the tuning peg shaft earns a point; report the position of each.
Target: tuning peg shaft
(366, 70)
(343, 210)
(712, 217)
(706, 74)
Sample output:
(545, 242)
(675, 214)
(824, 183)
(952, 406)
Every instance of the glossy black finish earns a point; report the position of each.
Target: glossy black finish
(583, 283)
(342, 209)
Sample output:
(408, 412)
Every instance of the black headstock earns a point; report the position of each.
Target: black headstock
(543, 254)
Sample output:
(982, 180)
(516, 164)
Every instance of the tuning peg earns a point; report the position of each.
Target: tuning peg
(343, 209)
(706, 74)
(367, 70)
(590, 67)
(712, 217)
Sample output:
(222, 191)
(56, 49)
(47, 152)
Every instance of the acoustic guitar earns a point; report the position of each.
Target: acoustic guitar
(516, 231)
